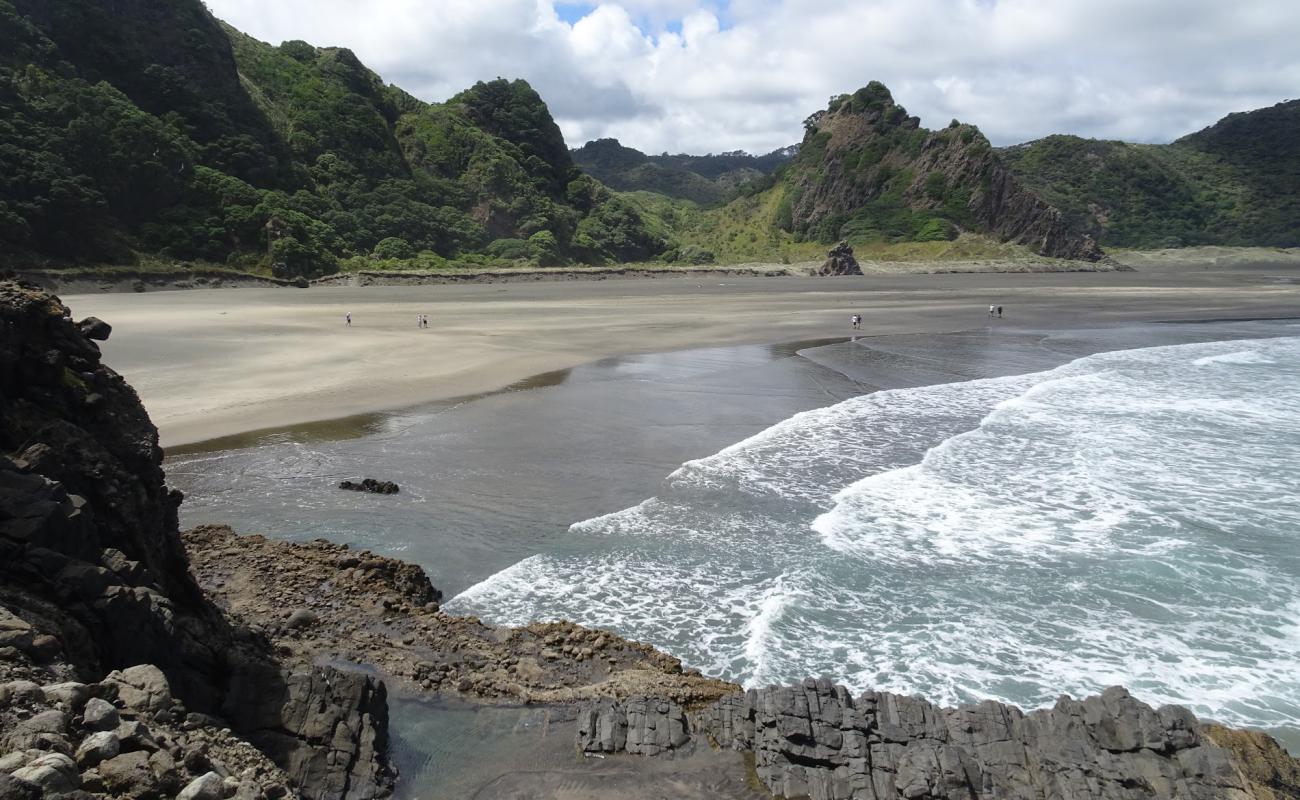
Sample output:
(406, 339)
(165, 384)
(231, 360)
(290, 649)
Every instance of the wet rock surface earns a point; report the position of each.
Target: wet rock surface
(370, 485)
(318, 600)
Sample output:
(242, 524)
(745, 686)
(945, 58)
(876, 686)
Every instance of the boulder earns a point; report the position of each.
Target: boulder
(370, 485)
(209, 786)
(98, 747)
(99, 715)
(12, 788)
(141, 688)
(20, 693)
(128, 774)
(54, 773)
(95, 328)
(839, 261)
(71, 695)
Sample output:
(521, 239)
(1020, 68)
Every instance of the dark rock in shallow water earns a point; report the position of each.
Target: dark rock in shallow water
(839, 261)
(816, 739)
(371, 485)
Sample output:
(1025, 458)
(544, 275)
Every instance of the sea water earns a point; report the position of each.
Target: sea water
(1132, 517)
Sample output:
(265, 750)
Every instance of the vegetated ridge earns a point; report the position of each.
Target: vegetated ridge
(868, 173)
(1236, 182)
(148, 127)
(707, 180)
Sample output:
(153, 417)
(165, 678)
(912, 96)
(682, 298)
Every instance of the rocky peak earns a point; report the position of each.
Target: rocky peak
(867, 168)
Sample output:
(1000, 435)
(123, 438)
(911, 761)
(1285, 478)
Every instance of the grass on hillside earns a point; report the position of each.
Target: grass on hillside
(745, 231)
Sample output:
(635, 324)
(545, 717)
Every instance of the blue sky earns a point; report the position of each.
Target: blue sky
(686, 76)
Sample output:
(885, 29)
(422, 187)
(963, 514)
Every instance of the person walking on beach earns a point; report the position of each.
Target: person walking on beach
(999, 311)
(992, 310)
(348, 317)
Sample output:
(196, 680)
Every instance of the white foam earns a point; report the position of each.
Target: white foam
(1238, 357)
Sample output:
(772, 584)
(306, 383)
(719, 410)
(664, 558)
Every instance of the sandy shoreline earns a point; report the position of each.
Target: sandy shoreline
(214, 363)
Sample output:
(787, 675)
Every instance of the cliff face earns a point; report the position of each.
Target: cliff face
(867, 169)
(93, 576)
(816, 739)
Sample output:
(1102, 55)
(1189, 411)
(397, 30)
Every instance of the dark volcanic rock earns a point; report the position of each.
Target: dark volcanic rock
(839, 261)
(817, 740)
(94, 578)
(95, 328)
(371, 485)
(307, 719)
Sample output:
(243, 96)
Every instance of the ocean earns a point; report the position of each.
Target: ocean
(986, 514)
(1131, 517)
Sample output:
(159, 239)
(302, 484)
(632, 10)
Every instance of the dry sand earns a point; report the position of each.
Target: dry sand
(213, 363)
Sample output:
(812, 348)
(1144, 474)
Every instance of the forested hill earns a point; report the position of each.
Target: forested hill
(706, 180)
(1235, 183)
(866, 170)
(149, 127)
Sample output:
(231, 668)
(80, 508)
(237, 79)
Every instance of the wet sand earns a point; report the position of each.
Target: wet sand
(220, 362)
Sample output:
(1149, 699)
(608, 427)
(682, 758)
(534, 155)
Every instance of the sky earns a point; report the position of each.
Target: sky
(700, 77)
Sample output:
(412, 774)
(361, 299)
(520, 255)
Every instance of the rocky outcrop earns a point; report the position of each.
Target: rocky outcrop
(865, 164)
(839, 261)
(370, 485)
(639, 725)
(94, 581)
(817, 740)
(318, 600)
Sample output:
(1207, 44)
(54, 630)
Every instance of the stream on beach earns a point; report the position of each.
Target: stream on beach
(1018, 514)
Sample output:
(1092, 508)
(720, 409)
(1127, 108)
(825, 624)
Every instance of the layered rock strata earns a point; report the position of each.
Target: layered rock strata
(817, 740)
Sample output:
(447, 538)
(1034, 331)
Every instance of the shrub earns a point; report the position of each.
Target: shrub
(393, 247)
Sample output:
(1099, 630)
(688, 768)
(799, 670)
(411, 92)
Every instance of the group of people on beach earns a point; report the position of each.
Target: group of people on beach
(421, 320)
(995, 311)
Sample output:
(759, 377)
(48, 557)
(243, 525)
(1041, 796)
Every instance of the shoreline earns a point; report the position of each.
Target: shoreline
(221, 363)
(113, 279)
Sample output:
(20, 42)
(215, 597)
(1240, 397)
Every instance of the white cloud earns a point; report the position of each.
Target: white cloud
(681, 75)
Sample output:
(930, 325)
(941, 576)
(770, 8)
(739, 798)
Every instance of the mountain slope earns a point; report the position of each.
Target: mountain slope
(158, 130)
(1235, 183)
(866, 169)
(706, 180)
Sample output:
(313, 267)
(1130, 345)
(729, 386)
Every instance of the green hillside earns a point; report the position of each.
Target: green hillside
(868, 173)
(146, 127)
(1234, 183)
(706, 180)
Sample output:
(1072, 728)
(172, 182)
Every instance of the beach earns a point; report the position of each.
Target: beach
(583, 450)
(219, 362)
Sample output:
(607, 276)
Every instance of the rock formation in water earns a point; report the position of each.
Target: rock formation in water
(370, 485)
(94, 578)
(839, 261)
